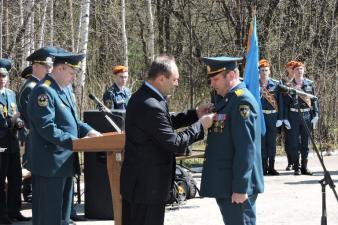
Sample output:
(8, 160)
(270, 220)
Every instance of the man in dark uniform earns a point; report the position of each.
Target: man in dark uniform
(271, 105)
(309, 111)
(10, 122)
(42, 64)
(53, 126)
(148, 169)
(117, 96)
(232, 169)
(288, 81)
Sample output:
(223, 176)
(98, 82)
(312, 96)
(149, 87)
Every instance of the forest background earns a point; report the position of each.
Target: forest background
(113, 32)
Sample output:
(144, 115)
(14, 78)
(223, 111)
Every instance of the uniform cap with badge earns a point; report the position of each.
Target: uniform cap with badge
(5, 66)
(43, 56)
(69, 59)
(218, 64)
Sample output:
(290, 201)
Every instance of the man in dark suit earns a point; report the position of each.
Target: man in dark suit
(151, 143)
(232, 169)
(54, 124)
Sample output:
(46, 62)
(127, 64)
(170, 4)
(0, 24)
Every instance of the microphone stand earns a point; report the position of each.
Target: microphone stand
(327, 180)
(110, 121)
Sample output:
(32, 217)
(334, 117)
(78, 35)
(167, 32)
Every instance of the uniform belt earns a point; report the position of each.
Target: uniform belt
(269, 111)
(302, 110)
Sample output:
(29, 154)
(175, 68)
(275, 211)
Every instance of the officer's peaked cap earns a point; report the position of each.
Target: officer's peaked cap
(5, 66)
(68, 58)
(43, 55)
(218, 64)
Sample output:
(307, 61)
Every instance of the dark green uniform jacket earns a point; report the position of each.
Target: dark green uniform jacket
(233, 153)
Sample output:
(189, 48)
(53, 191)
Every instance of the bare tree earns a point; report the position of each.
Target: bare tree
(124, 33)
(151, 31)
(41, 40)
(83, 43)
(1, 19)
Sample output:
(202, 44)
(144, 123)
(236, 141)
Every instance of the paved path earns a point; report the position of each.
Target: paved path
(288, 200)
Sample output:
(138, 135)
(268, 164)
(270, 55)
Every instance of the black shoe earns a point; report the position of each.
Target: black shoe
(288, 168)
(306, 172)
(297, 172)
(19, 217)
(78, 218)
(273, 172)
(5, 220)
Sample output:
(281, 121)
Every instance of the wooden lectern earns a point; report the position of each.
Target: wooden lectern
(113, 144)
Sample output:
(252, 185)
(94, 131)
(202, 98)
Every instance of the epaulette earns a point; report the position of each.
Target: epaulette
(239, 92)
(31, 84)
(46, 83)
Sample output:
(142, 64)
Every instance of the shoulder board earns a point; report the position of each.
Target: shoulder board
(31, 84)
(273, 80)
(239, 92)
(46, 83)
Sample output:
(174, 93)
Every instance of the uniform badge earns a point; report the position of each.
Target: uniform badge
(13, 105)
(244, 111)
(43, 100)
(108, 103)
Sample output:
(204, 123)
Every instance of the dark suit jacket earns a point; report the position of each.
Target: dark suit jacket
(151, 144)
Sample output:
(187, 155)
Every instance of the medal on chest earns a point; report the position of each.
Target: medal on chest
(218, 123)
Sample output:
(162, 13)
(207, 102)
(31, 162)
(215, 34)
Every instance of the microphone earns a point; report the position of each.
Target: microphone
(101, 106)
(293, 91)
(105, 110)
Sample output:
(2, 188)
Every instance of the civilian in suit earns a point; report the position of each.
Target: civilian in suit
(54, 124)
(232, 169)
(10, 163)
(151, 143)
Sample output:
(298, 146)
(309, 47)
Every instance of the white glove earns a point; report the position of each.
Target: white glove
(287, 124)
(207, 120)
(314, 122)
(279, 123)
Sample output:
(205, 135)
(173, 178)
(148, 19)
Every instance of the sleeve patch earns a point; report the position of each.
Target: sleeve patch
(43, 100)
(244, 110)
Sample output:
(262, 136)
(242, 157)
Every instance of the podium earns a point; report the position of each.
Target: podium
(113, 144)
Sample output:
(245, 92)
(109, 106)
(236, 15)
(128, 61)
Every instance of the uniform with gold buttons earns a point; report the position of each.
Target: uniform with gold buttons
(10, 162)
(232, 156)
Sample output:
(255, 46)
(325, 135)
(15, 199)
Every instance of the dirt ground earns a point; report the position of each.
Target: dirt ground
(287, 200)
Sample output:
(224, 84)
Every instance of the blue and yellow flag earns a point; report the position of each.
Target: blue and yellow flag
(251, 74)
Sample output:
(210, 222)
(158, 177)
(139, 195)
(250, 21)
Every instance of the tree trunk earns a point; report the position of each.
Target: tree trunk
(41, 41)
(124, 33)
(151, 31)
(51, 29)
(72, 35)
(1, 19)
